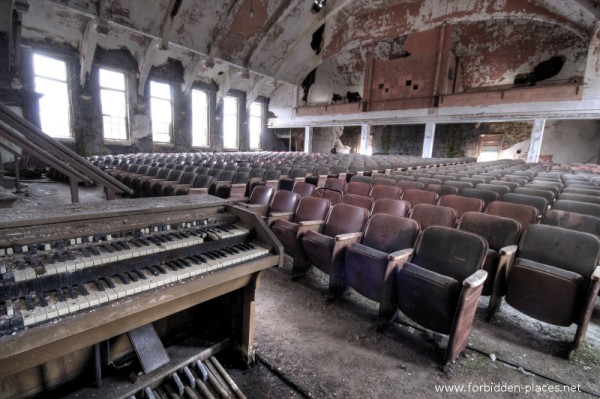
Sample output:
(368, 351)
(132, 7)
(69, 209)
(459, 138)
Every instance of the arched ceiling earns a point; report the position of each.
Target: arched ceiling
(270, 40)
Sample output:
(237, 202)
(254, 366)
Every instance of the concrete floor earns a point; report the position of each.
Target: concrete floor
(308, 347)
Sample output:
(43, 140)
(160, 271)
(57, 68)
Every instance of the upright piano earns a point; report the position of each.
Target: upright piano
(75, 276)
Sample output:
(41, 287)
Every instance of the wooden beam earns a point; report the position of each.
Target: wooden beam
(87, 49)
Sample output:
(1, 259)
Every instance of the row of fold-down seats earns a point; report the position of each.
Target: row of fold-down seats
(435, 274)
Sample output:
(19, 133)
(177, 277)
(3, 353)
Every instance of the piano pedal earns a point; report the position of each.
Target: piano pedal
(148, 347)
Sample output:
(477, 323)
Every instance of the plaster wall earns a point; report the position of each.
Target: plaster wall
(572, 141)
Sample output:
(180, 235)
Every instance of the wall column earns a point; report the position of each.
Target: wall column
(308, 139)
(535, 146)
(428, 141)
(365, 132)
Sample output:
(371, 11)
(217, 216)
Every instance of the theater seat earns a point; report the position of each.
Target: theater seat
(502, 235)
(310, 215)
(555, 277)
(440, 284)
(370, 264)
(343, 228)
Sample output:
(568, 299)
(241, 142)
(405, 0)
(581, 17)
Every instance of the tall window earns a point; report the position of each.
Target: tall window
(230, 122)
(199, 118)
(113, 98)
(51, 82)
(255, 124)
(161, 111)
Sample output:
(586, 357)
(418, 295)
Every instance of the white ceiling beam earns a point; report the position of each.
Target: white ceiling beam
(145, 64)
(190, 72)
(255, 87)
(87, 49)
(165, 27)
(223, 27)
(224, 80)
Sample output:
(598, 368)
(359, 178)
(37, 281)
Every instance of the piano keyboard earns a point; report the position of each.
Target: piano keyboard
(26, 263)
(38, 307)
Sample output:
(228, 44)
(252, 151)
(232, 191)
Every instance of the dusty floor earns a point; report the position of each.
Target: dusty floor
(308, 347)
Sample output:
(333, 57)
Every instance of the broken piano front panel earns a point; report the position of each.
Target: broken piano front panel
(80, 274)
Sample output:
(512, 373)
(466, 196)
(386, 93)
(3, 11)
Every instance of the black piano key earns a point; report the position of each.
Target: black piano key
(70, 254)
(21, 264)
(154, 240)
(198, 259)
(169, 237)
(131, 276)
(109, 282)
(82, 290)
(61, 295)
(108, 248)
(140, 274)
(94, 250)
(29, 302)
(42, 298)
(49, 258)
(181, 264)
(174, 266)
(185, 262)
(222, 253)
(85, 240)
(137, 243)
(85, 252)
(116, 246)
(208, 254)
(160, 268)
(72, 293)
(98, 285)
(227, 250)
(125, 245)
(184, 234)
(122, 277)
(33, 261)
(153, 271)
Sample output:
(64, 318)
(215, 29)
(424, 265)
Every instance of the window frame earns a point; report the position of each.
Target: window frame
(69, 133)
(237, 121)
(261, 106)
(125, 92)
(206, 143)
(154, 99)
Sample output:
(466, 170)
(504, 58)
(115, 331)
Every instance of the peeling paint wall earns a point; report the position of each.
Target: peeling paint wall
(493, 52)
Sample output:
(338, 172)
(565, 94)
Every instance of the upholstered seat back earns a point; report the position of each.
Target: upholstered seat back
(312, 208)
(450, 252)
(345, 218)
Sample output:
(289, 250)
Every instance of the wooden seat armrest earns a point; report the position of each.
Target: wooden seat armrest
(198, 190)
(275, 216)
(403, 254)
(314, 225)
(349, 236)
(509, 250)
(596, 274)
(475, 279)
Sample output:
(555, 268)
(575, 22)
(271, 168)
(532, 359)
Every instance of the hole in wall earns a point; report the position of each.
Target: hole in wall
(409, 82)
(317, 40)
(380, 86)
(415, 87)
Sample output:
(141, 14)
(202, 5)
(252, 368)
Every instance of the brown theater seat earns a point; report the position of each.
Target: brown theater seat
(440, 284)
(391, 207)
(310, 215)
(370, 264)
(555, 277)
(432, 215)
(343, 228)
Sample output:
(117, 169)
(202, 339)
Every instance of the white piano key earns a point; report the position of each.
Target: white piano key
(10, 312)
(61, 307)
